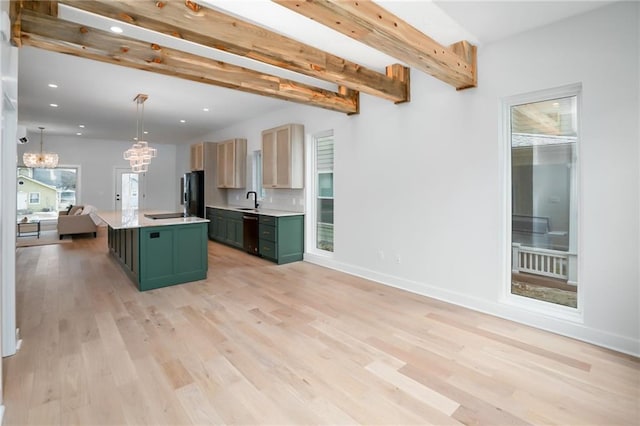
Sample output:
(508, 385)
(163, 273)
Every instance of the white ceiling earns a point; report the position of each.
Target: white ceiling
(100, 96)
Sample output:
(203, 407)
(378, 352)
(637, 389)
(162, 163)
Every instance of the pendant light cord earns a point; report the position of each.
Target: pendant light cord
(137, 121)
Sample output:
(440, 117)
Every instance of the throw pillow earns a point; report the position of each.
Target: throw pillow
(78, 212)
(74, 209)
(89, 209)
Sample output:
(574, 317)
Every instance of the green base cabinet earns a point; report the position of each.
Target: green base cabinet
(281, 239)
(211, 225)
(235, 232)
(161, 256)
(225, 227)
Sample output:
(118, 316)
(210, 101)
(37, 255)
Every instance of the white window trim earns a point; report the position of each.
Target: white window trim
(255, 168)
(526, 303)
(311, 208)
(29, 198)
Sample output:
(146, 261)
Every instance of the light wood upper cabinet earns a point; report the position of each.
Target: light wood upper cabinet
(283, 157)
(232, 163)
(197, 157)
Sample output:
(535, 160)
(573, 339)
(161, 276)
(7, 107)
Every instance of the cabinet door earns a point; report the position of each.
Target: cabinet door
(283, 158)
(232, 159)
(230, 232)
(229, 165)
(219, 227)
(268, 160)
(238, 233)
(222, 149)
(197, 157)
(211, 225)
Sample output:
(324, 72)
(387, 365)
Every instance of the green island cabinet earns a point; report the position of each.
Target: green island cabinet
(280, 238)
(160, 256)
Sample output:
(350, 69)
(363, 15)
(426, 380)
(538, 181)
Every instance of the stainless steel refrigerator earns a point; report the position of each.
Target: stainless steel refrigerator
(193, 196)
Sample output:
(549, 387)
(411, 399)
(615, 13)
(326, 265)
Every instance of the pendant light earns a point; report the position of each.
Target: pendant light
(40, 160)
(140, 153)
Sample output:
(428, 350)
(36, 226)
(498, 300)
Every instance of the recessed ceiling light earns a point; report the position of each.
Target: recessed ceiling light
(556, 104)
(205, 109)
(183, 121)
(52, 85)
(116, 29)
(146, 132)
(78, 134)
(53, 105)
(81, 126)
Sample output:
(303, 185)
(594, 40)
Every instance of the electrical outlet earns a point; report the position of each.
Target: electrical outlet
(398, 259)
(381, 254)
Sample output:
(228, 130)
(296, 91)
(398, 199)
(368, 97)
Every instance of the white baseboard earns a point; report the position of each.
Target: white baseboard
(507, 311)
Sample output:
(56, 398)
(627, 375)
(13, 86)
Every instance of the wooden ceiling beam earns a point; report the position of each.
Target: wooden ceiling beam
(50, 33)
(366, 22)
(190, 21)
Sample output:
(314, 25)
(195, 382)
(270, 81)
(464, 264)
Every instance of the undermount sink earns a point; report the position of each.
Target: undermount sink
(247, 209)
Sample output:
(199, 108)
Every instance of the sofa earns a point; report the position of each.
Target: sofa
(73, 221)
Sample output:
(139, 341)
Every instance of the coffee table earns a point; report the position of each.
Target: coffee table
(27, 229)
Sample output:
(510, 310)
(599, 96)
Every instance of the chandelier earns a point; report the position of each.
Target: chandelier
(140, 153)
(40, 160)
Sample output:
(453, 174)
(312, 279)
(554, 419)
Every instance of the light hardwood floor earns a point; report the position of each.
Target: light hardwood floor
(258, 343)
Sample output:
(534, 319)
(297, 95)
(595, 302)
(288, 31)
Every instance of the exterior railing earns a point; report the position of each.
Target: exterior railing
(549, 263)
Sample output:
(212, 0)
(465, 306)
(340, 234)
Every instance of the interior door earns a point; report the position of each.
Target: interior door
(128, 193)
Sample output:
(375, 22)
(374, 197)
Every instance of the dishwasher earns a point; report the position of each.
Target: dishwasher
(250, 233)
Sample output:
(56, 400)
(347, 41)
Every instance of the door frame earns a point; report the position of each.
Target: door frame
(117, 173)
(575, 315)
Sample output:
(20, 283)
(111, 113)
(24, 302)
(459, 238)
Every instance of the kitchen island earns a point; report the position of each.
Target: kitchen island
(158, 252)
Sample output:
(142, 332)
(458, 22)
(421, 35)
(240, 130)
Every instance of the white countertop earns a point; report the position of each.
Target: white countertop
(265, 212)
(136, 219)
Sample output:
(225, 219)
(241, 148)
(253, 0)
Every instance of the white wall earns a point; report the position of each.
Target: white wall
(8, 141)
(97, 160)
(424, 183)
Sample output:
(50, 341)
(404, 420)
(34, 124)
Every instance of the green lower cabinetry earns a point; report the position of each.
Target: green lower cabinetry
(161, 256)
(226, 227)
(268, 250)
(211, 231)
(281, 239)
(234, 230)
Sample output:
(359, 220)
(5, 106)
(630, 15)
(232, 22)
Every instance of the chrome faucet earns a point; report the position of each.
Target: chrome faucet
(255, 198)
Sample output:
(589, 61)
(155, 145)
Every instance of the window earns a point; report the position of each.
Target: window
(34, 198)
(324, 154)
(543, 144)
(257, 174)
(41, 193)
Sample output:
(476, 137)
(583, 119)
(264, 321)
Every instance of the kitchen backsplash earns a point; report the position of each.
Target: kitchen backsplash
(277, 199)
